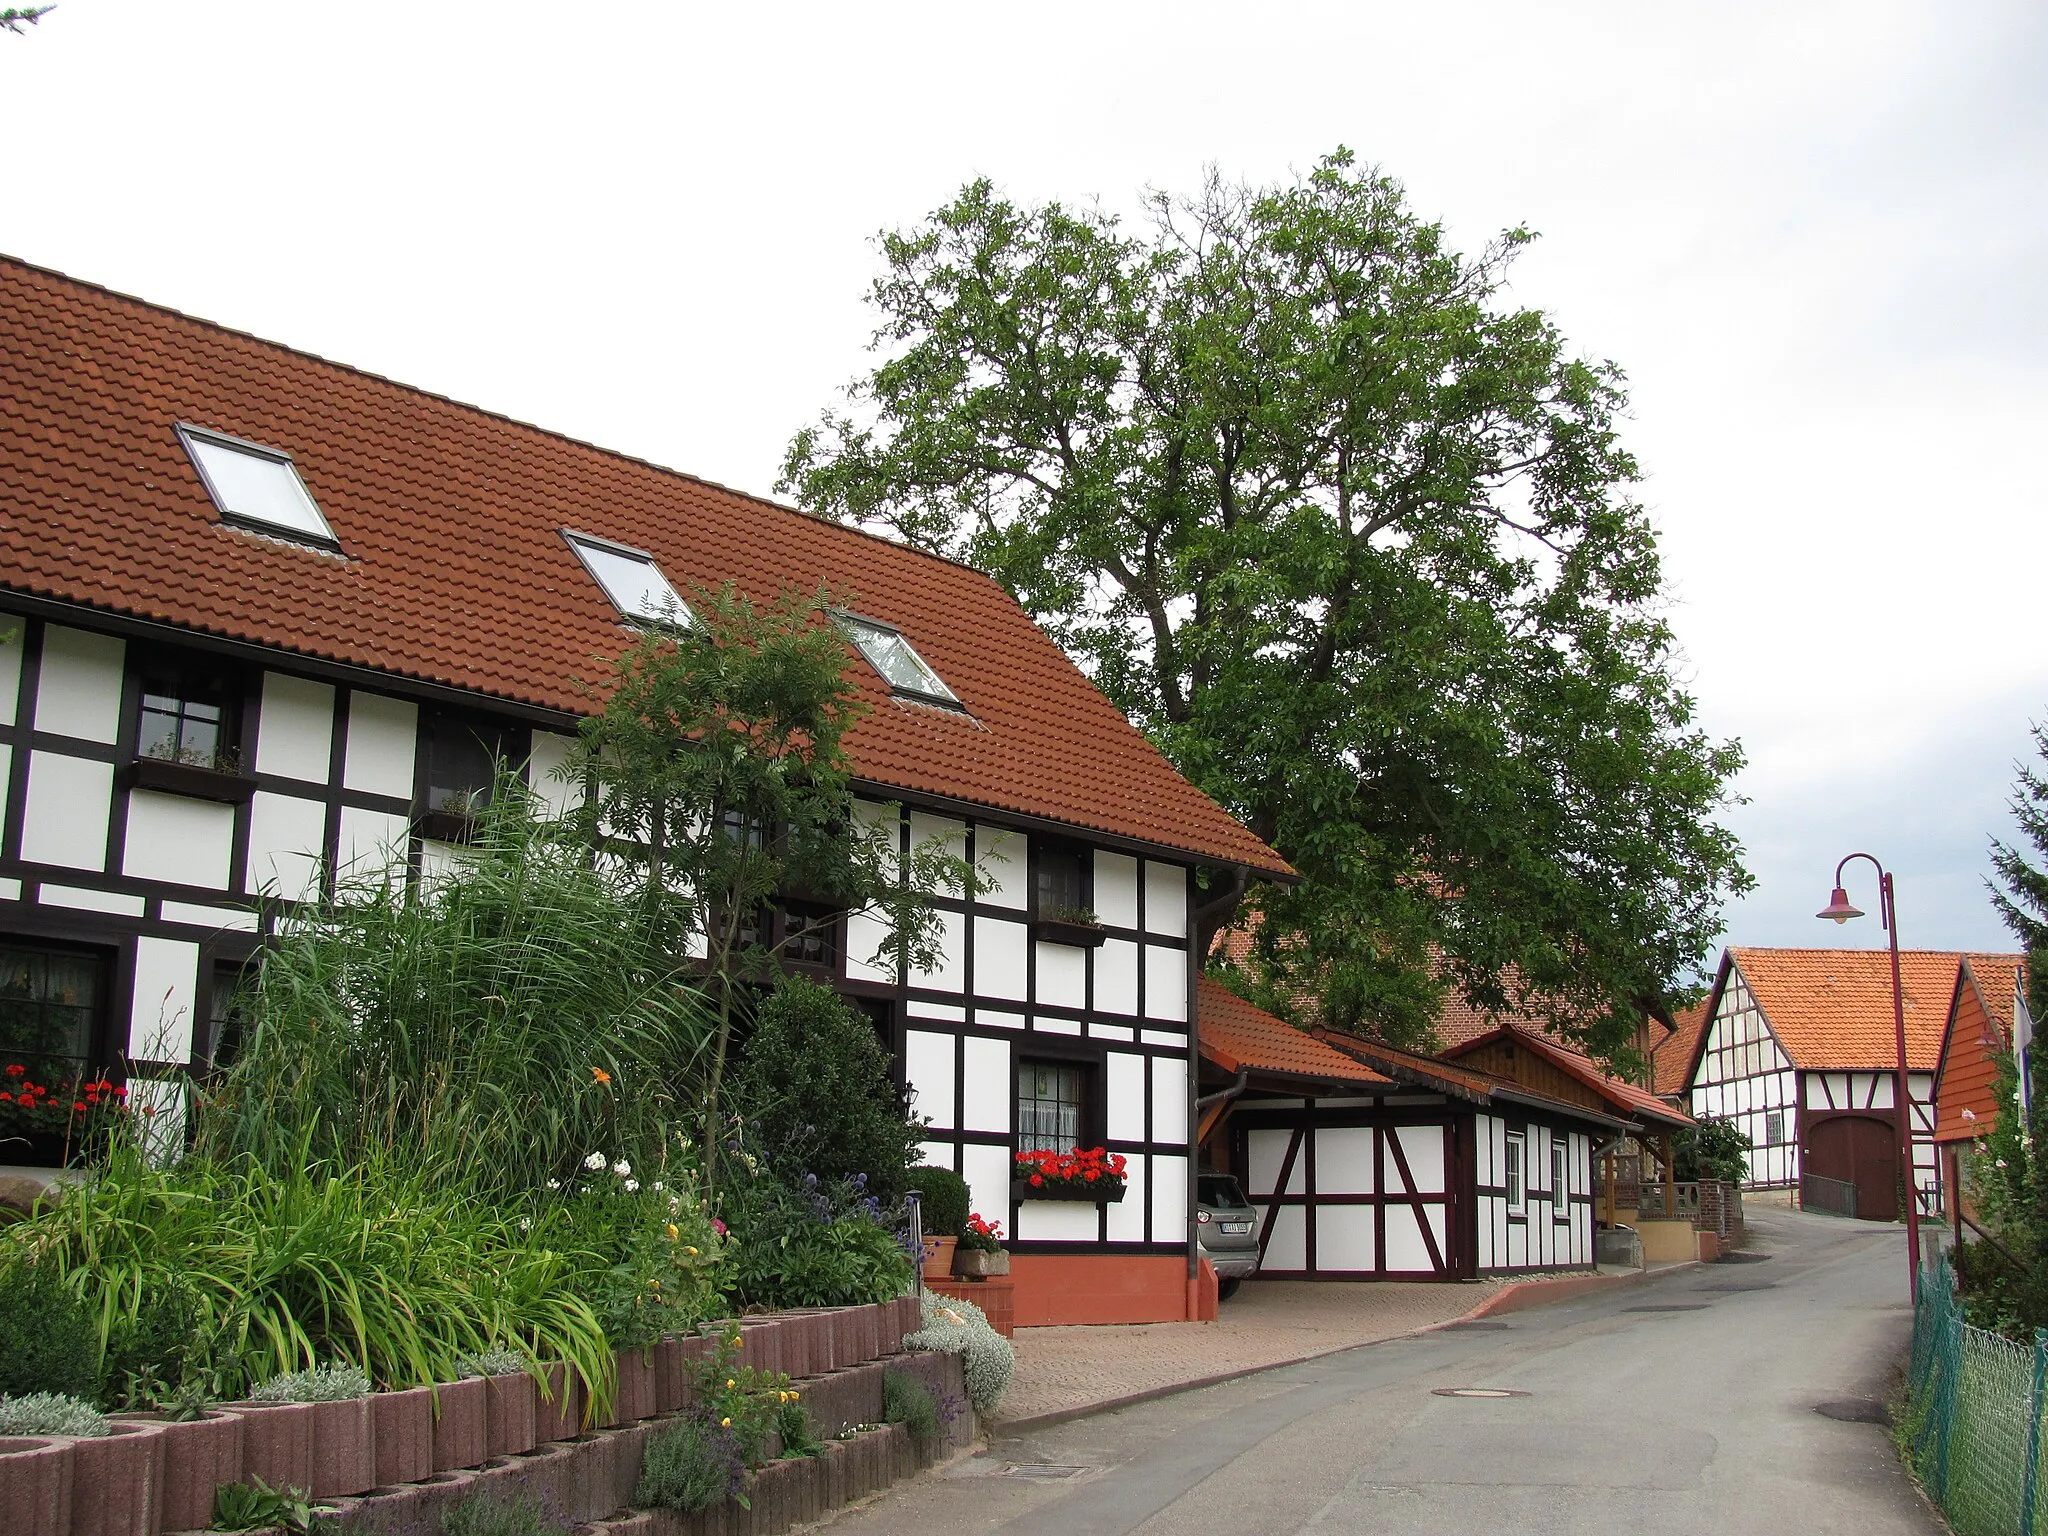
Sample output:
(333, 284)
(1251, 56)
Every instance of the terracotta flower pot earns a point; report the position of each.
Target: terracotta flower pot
(462, 1432)
(403, 1425)
(199, 1456)
(632, 1386)
(117, 1481)
(938, 1255)
(511, 1413)
(973, 1264)
(36, 1474)
(561, 1407)
(277, 1442)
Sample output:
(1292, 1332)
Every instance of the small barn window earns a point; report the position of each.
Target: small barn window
(1774, 1127)
(1560, 1183)
(1517, 1193)
(1060, 884)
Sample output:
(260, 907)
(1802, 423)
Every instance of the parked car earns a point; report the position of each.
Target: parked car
(1224, 1223)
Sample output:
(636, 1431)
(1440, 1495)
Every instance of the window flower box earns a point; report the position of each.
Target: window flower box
(167, 776)
(1087, 1173)
(1069, 930)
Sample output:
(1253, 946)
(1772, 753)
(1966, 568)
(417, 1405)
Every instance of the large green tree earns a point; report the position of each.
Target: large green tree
(1354, 539)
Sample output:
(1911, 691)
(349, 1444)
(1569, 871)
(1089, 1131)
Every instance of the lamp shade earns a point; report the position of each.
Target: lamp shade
(1839, 908)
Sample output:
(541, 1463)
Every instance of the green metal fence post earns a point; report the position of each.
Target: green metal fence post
(2028, 1523)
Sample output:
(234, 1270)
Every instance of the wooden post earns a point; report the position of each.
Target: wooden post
(1670, 1178)
(1610, 1187)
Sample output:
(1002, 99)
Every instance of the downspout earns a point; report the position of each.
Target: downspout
(1219, 1097)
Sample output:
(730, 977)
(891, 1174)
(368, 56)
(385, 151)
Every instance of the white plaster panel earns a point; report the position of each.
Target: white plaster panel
(295, 728)
(382, 733)
(1344, 1160)
(543, 767)
(1062, 975)
(1045, 1024)
(1058, 1221)
(81, 899)
(285, 834)
(1169, 1199)
(999, 951)
(438, 861)
(928, 1068)
(1163, 1037)
(180, 840)
(1877, 1092)
(950, 837)
(12, 635)
(1099, 1031)
(6, 768)
(166, 983)
(950, 974)
(216, 919)
(1004, 859)
(936, 1154)
(1344, 1237)
(1265, 1151)
(10, 888)
(998, 1018)
(988, 1086)
(1116, 977)
(987, 1172)
(1287, 1248)
(1406, 1250)
(1124, 1096)
(1166, 983)
(923, 1008)
(65, 820)
(79, 690)
(866, 933)
(370, 842)
(1166, 899)
(1169, 1098)
(163, 1127)
(1116, 889)
(1127, 1216)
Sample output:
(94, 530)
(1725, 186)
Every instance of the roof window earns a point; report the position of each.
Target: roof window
(631, 579)
(257, 487)
(896, 659)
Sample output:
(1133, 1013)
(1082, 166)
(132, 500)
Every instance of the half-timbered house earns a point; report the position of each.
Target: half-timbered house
(1976, 1046)
(1800, 1052)
(268, 617)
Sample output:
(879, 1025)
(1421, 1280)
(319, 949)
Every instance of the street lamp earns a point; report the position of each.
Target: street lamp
(1839, 910)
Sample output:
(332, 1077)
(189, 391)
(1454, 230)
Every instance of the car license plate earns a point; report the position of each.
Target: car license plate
(1236, 1228)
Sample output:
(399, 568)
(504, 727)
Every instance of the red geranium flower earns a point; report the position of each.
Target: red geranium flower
(1036, 1180)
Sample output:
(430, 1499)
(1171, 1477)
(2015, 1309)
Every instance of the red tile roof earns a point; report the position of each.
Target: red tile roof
(456, 571)
(1831, 1009)
(1236, 1036)
(1632, 1101)
(1671, 1062)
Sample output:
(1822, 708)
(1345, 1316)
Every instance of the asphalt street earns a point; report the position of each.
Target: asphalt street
(1734, 1397)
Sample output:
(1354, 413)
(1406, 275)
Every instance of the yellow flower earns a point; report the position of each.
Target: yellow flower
(691, 1252)
(730, 1382)
(725, 1423)
(792, 1397)
(675, 1232)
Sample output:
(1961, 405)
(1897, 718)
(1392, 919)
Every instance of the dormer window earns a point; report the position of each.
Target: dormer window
(257, 487)
(631, 579)
(897, 660)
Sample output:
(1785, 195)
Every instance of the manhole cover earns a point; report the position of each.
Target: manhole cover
(1476, 1326)
(1038, 1471)
(1669, 1306)
(1854, 1410)
(1475, 1392)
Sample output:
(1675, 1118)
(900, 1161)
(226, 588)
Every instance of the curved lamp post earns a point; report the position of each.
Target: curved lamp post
(1839, 910)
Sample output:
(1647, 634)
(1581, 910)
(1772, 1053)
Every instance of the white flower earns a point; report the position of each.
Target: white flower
(1969, 1114)
(632, 1186)
(594, 1162)
(622, 1167)
(656, 1186)
(554, 1183)
(526, 1223)
(2001, 1162)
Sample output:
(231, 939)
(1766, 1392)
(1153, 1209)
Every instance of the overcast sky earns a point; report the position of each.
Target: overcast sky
(1815, 236)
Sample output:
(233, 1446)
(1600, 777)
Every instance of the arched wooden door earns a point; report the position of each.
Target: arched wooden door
(1862, 1151)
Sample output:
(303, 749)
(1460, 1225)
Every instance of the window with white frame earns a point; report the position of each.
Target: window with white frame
(257, 487)
(1517, 1192)
(1560, 1182)
(631, 579)
(896, 659)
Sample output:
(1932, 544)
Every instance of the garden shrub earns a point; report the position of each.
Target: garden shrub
(256, 1506)
(793, 1427)
(819, 1095)
(51, 1413)
(49, 1342)
(960, 1327)
(320, 1384)
(159, 1355)
(905, 1401)
(946, 1200)
(496, 1360)
(690, 1468)
(813, 1246)
(486, 1514)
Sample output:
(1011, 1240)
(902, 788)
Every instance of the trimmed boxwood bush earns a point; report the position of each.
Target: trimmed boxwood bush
(48, 1340)
(945, 1200)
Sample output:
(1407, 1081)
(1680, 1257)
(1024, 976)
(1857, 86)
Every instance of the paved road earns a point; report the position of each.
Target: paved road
(1684, 1404)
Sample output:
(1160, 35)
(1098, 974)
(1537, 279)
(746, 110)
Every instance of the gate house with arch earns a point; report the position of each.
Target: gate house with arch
(1799, 1051)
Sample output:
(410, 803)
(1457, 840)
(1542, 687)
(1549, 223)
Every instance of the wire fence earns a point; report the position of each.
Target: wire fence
(1973, 1417)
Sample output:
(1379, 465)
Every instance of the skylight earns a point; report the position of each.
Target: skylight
(631, 579)
(257, 487)
(896, 659)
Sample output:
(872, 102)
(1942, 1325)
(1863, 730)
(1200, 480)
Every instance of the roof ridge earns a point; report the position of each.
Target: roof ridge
(503, 417)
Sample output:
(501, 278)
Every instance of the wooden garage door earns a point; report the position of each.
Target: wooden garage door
(1862, 1151)
(1360, 1202)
